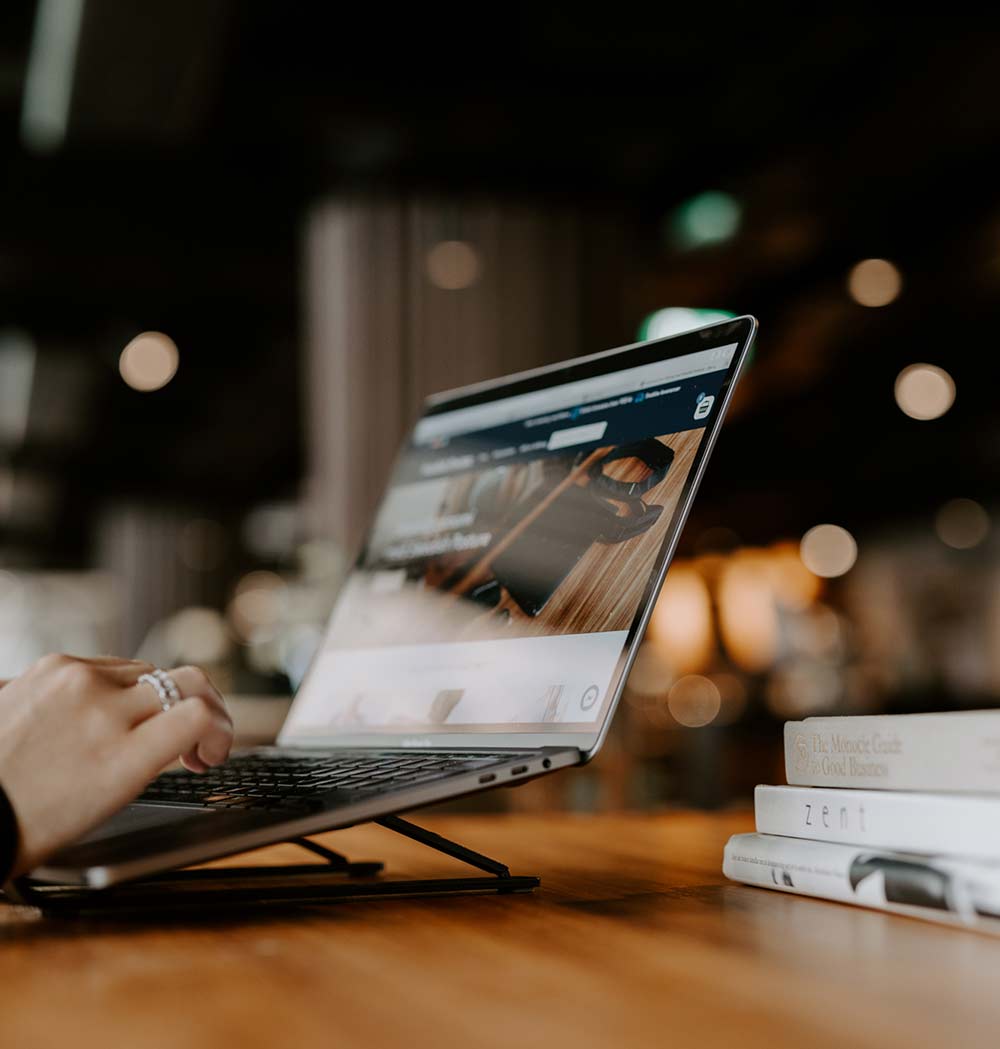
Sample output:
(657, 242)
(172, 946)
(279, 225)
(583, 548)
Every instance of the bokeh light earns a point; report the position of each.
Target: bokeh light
(149, 361)
(962, 524)
(803, 688)
(924, 391)
(681, 624)
(263, 653)
(694, 701)
(672, 320)
(748, 618)
(453, 265)
(817, 632)
(198, 635)
(732, 694)
(708, 218)
(828, 550)
(257, 603)
(270, 531)
(18, 364)
(795, 587)
(874, 282)
(651, 674)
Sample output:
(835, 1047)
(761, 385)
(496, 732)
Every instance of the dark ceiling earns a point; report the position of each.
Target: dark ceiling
(200, 131)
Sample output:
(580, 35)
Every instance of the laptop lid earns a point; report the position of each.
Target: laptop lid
(519, 546)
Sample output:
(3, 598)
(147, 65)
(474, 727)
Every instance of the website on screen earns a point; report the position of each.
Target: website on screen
(510, 554)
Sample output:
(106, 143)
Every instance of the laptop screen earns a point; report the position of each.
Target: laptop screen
(519, 539)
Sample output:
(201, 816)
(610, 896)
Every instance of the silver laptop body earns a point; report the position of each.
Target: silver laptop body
(486, 632)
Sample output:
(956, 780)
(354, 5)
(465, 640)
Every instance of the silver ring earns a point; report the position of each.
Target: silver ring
(166, 688)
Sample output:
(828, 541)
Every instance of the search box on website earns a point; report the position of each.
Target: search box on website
(577, 435)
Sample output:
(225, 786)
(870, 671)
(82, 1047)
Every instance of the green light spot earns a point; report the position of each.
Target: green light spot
(676, 319)
(708, 218)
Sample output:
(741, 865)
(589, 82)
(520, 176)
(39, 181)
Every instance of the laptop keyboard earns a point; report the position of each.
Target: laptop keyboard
(294, 782)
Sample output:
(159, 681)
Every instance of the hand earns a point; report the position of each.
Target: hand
(80, 738)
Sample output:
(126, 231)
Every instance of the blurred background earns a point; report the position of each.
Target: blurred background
(239, 242)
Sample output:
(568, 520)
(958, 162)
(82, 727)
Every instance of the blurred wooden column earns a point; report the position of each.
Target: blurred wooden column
(138, 544)
(381, 335)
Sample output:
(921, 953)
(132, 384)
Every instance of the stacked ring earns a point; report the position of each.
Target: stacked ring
(166, 688)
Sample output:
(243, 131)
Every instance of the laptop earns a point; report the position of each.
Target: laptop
(486, 632)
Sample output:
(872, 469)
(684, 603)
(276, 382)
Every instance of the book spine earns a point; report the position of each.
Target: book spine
(947, 823)
(928, 887)
(939, 752)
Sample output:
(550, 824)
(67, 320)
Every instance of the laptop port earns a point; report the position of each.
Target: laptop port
(489, 777)
(519, 771)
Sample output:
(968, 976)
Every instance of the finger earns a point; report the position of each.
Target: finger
(123, 672)
(110, 661)
(193, 763)
(213, 746)
(142, 702)
(191, 725)
(194, 681)
(114, 665)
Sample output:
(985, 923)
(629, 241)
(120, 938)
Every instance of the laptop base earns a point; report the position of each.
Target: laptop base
(219, 889)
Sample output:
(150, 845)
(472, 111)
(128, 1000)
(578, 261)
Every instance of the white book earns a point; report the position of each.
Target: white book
(957, 824)
(937, 888)
(946, 752)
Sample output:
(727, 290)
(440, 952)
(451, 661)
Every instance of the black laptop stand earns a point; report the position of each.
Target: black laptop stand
(219, 889)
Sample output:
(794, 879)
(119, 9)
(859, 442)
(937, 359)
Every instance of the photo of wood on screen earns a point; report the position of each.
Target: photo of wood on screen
(554, 545)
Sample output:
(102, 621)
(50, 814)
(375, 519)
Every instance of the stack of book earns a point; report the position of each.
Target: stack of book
(901, 813)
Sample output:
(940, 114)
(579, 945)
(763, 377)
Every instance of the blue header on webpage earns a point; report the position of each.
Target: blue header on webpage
(672, 407)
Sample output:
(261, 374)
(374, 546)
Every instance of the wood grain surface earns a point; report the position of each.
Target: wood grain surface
(482, 570)
(604, 589)
(634, 939)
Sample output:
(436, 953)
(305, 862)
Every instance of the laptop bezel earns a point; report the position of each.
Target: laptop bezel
(742, 330)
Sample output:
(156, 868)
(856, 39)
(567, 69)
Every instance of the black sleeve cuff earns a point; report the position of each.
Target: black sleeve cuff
(9, 837)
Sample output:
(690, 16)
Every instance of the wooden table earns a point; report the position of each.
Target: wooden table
(634, 939)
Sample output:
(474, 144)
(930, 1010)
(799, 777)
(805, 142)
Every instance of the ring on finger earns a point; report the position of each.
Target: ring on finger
(166, 688)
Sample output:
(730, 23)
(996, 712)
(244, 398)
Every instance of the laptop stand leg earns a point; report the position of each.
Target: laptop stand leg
(220, 889)
(335, 859)
(449, 848)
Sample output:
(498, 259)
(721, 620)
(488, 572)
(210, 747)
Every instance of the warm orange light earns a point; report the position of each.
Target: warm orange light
(453, 265)
(694, 701)
(748, 619)
(681, 624)
(874, 282)
(795, 587)
(651, 675)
